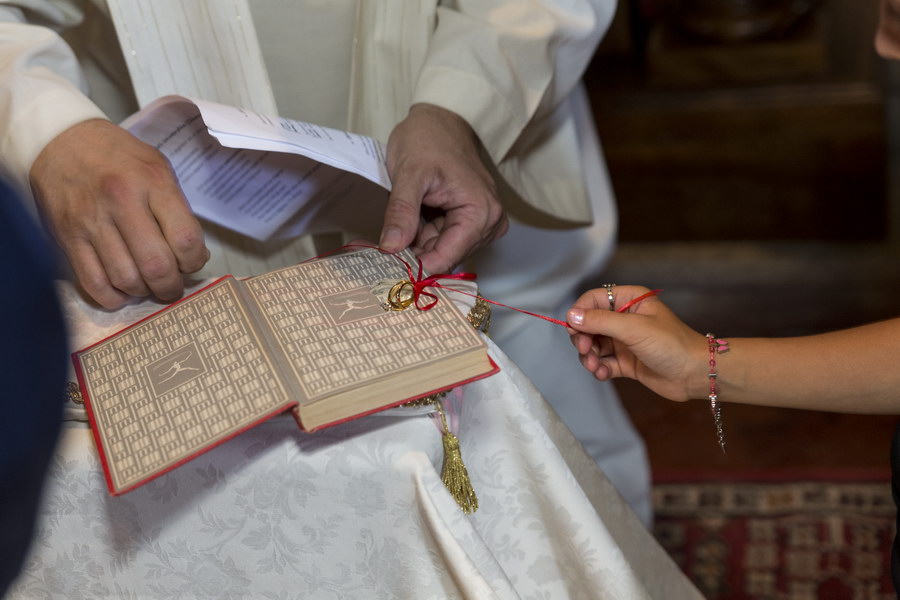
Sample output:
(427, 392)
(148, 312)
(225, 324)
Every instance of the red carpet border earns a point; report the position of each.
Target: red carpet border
(765, 536)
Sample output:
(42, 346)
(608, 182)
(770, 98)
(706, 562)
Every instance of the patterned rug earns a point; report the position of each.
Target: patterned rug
(802, 536)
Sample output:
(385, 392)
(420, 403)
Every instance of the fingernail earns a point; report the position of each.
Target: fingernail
(390, 238)
(576, 316)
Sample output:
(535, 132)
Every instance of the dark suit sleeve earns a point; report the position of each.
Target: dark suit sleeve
(33, 359)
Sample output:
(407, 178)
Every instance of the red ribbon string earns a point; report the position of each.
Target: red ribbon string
(634, 301)
(539, 316)
(419, 285)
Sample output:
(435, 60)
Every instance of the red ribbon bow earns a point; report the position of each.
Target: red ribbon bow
(419, 284)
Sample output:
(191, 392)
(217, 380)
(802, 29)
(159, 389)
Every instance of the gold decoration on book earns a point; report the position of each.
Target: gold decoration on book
(480, 315)
(73, 393)
(426, 401)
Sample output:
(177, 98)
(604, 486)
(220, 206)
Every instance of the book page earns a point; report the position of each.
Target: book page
(347, 151)
(176, 384)
(258, 189)
(336, 334)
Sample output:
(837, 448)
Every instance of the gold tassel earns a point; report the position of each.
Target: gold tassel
(453, 472)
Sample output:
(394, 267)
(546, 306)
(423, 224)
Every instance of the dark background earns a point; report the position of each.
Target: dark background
(751, 148)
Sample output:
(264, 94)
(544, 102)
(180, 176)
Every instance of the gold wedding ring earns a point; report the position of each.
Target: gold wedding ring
(609, 295)
(401, 295)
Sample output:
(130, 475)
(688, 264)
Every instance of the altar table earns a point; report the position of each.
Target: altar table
(354, 511)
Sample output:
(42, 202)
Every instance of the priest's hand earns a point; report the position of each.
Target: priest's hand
(648, 343)
(437, 173)
(115, 208)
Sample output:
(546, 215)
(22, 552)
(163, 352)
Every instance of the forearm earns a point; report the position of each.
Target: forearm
(855, 371)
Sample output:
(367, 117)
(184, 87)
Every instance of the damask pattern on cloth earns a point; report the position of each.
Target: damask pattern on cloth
(354, 511)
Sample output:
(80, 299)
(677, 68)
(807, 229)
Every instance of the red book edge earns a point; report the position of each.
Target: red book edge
(101, 450)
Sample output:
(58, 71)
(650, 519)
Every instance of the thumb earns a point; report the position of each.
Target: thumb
(401, 217)
(598, 321)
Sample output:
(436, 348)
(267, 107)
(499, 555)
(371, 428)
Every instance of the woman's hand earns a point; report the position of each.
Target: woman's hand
(648, 343)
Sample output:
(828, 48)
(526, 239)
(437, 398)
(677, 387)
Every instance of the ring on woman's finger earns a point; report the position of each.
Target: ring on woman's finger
(609, 294)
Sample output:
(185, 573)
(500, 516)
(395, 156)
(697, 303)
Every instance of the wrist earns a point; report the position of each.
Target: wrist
(697, 386)
(63, 144)
(449, 120)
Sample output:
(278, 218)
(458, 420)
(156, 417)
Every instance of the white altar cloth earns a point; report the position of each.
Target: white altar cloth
(354, 511)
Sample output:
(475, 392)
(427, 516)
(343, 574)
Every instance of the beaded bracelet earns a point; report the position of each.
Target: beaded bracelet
(716, 346)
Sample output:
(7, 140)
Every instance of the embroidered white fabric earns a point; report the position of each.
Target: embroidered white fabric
(354, 511)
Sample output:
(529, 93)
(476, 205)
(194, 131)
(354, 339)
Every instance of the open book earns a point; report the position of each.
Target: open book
(319, 338)
(259, 174)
